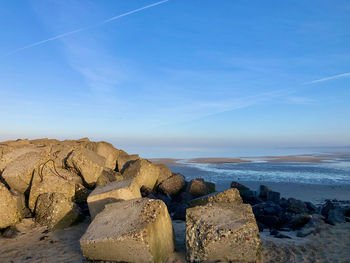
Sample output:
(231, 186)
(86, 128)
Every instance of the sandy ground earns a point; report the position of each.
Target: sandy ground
(35, 245)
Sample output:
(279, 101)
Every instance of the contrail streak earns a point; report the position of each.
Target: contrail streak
(344, 75)
(83, 28)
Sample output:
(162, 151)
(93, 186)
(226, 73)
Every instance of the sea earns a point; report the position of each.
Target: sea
(335, 170)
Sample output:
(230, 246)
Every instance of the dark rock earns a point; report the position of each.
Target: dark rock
(250, 197)
(335, 216)
(197, 187)
(298, 221)
(326, 208)
(263, 191)
(172, 185)
(274, 232)
(305, 232)
(296, 206)
(10, 232)
(239, 186)
(183, 197)
(311, 207)
(273, 196)
(282, 236)
(269, 221)
(179, 213)
(210, 187)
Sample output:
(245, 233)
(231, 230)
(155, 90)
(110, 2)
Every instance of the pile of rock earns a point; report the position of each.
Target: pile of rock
(130, 200)
(279, 214)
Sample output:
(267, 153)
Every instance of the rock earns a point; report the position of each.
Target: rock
(172, 185)
(19, 173)
(20, 201)
(124, 159)
(298, 221)
(326, 208)
(112, 192)
(335, 216)
(197, 187)
(164, 173)
(250, 197)
(305, 232)
(107, 151)
(239, 186)
(81, 194)
(230, 196)
(280, 235)
(108, 175)
(179, 211)
(266, 194)
(296, 206)
(54, 211)
(311, 207)
(9, 214)
(49, 180)
(143, 172)
(138, 230)
(222, 233)
(210, 187)
(86, 163)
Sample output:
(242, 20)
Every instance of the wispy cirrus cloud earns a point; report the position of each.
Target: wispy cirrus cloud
(343, 75)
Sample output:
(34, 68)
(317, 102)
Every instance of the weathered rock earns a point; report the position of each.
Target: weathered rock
(19, 173)
(124, 159)
(239, 186)
(20, 201)
(266, 194)
(164, 173)
(143, 172)
(299, 220)
(48, 179)
(210, 187)
(296, 206)
(9, 214)
(113, 192)
(222, 233)
(230, 196)
(87, 163)
(197, 187)
(81, 194)
(137, 230)
(54, 211)
(108, 175)
(172, 185)
(335, 216)
(107, 151)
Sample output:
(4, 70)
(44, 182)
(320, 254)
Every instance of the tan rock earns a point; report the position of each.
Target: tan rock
(164, 173)
(107, 151)
(144, 172)
(19, 173)
(221, 232)
(172, 185)
(48, 179)
(230, 196)
(110, 193)
(124, 159)
(197, 187)
(138, 230)
(20, 201)
(54, 211)
(108, 176)
(87, 163)
(9, 214)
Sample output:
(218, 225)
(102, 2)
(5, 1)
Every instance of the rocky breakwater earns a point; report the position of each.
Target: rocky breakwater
(130, 202)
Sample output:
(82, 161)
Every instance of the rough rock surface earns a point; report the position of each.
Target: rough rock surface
(124, 159)
(227, 233)
(107, 151)
(53, 181)
(197, 187)
(9, 214)
(19, 173)
(230, 196)
(164, 173)
(172, 185)
(54, 211)
(137, 230)
(20, 201)
(87, 163)
(108, 175)
(144, 173)
(110, 193)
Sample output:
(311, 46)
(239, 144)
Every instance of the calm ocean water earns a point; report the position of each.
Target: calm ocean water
(334, 171)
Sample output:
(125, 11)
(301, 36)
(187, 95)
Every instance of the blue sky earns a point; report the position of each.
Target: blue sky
(180, 78)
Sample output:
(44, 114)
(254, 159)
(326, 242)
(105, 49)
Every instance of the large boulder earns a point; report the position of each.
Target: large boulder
(54, 211)
(107, 151)
(19, 173)
(197, 187)
(21, 203)
(144, 172)
(172, 185)
(48, 179)
(137, 230)
(9, 214)
(220, 232)
(108, 175)
(164, 173)
(230, 196)
(87, 163)
(112, 192)
(125, 159)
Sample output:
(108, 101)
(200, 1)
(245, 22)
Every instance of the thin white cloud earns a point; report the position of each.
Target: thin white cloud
(344, 75)
(82, 29)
